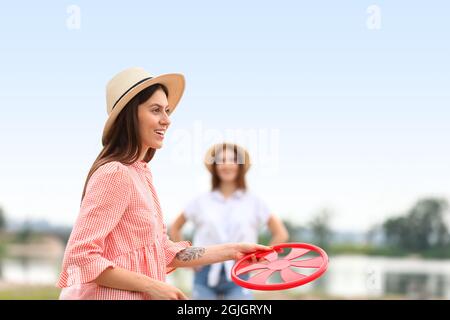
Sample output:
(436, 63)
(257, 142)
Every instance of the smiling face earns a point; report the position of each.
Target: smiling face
(153, 118)
(226, 167)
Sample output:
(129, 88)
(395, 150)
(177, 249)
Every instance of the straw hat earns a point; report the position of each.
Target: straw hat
(242, 155)
(128, 83)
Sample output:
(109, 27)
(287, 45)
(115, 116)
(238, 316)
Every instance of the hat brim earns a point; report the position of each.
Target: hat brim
(174, 82)
(211, 153)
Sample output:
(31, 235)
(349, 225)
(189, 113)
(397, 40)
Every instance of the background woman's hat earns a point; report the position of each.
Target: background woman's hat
(128, 83)
(242, 155)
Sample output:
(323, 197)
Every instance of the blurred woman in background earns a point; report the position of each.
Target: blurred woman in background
(228, 213)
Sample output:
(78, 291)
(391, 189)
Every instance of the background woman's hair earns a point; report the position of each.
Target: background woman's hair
(240, 179)
(123, 140)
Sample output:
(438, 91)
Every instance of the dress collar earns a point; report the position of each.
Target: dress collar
(235, 195)
(140, 164)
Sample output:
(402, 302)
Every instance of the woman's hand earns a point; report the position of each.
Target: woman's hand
(159, 290)
(242, 249)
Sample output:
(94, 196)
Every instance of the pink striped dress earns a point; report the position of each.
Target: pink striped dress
(120, 224)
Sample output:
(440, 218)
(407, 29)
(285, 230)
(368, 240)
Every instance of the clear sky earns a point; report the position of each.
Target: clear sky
(336, 114)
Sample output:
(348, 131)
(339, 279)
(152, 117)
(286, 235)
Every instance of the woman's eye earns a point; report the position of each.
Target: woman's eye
(155, 110)
(168, 111)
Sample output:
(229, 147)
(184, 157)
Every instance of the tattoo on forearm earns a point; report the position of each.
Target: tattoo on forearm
(190, 253)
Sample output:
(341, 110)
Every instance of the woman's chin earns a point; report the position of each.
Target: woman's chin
(157, 145)
(227, 179)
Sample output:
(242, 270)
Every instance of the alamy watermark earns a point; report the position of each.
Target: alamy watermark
(73, 21)
(373, 21)
(188, 146)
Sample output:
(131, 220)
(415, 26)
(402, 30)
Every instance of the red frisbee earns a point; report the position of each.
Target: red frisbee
(283, 262)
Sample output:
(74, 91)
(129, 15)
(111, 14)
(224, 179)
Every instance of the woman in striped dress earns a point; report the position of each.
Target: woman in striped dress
(119, 248)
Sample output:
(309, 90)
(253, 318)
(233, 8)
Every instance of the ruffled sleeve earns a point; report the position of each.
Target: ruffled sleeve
(106, 199)
(172, 248)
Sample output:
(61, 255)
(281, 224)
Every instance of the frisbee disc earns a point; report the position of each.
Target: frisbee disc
(287, 262)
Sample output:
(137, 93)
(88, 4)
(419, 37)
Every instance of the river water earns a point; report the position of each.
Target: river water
(347, 277)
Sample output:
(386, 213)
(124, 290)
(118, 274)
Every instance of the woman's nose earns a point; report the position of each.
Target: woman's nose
(165, 120)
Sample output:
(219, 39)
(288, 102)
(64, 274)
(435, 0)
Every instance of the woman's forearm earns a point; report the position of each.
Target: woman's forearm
(175, 229)
(196, 256)
(175, 234)
(278, 230)
(278, 238)
(119, 278)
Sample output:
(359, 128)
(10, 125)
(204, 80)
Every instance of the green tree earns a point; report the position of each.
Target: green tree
(294, 231)
(421, 229)
(25, 234)
(372, 233)
(397, 231)
(321, 228)
(2, 220)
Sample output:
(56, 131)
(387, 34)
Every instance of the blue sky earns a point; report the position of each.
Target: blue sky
(336, 115)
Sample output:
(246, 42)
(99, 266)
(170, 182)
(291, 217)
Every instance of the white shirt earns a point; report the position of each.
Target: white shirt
(217, 220)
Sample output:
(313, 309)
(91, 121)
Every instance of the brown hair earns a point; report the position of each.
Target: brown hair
(240, 179)
(123, 140)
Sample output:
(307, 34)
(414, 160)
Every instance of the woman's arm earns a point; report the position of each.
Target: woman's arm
(278, 230)
(119, 278)
(196, 256)
(175, 229)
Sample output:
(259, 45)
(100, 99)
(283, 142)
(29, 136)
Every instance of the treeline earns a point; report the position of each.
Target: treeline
(422, 230)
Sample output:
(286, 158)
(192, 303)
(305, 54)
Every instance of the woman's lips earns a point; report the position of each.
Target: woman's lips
(160, 133)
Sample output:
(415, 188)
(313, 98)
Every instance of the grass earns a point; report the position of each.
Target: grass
(39, 292)
(2, 250)
(35, 292)
(50, 293)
